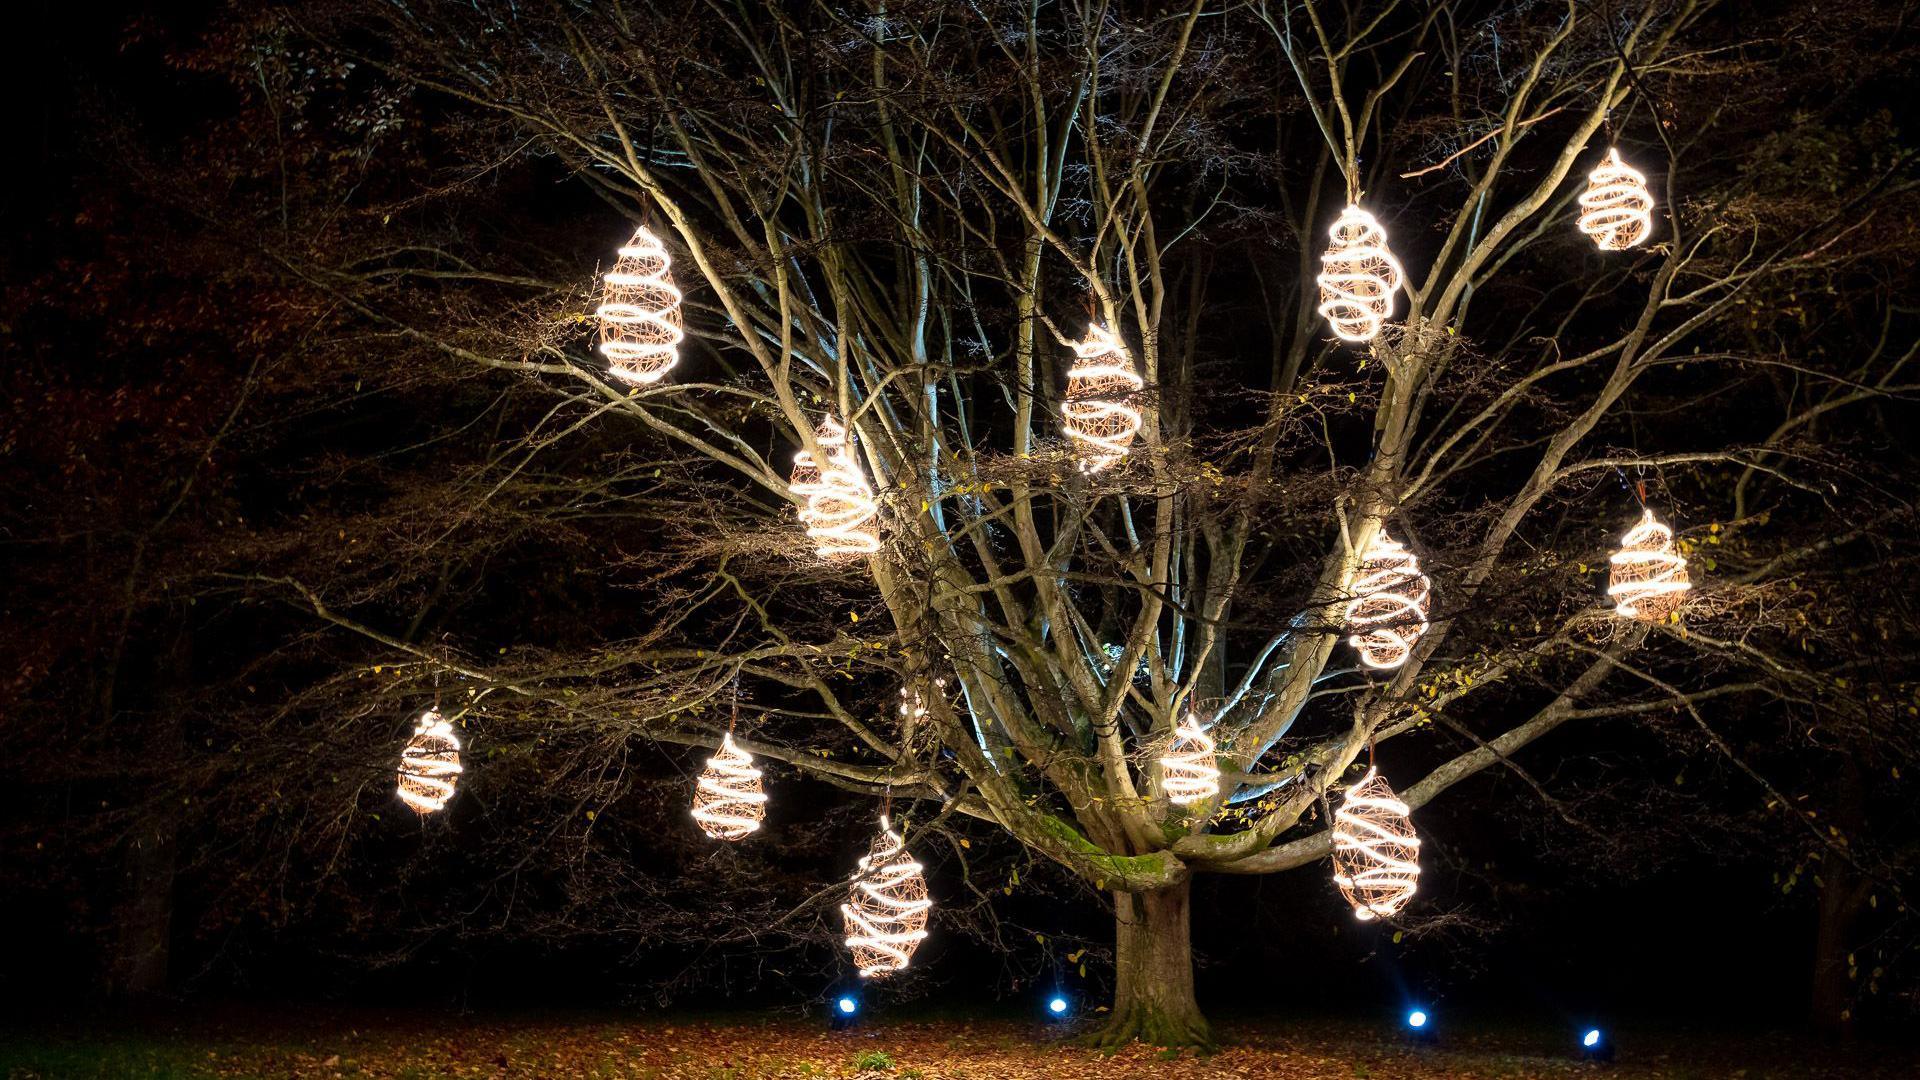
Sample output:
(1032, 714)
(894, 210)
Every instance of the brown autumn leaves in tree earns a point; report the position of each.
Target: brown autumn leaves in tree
(405, 475)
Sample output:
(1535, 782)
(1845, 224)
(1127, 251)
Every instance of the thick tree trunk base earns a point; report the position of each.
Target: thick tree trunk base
(1153, 998)
(1153, 1027)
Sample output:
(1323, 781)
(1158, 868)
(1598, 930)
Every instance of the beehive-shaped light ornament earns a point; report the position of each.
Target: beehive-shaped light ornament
(1358, 277)
(1189, 770)
(1616, 210)
(1099, 413)
(805, 480)
(728, 800)
(886, 911)
(840, 508)
(640, 331)
(1388, 612)
(430, 764)
(1376, 854)
(1649, 580)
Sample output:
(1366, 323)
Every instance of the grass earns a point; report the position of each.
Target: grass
(304, 1044)
(103, 1059)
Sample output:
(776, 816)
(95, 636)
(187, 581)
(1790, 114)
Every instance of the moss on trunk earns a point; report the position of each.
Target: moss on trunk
(1153, 999)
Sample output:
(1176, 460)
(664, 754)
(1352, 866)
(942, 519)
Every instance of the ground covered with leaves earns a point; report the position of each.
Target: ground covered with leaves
(300, 1043)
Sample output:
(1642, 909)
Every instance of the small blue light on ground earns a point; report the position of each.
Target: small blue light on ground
(1416, 1019)
(1591, 1038)
(1057, 1006)
(847, 1006)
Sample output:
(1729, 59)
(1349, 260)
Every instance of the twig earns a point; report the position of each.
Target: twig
(1450, 158)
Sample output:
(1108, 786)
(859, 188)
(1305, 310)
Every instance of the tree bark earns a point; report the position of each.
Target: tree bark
(142, 936)
(1153, 998)
(1843, 893)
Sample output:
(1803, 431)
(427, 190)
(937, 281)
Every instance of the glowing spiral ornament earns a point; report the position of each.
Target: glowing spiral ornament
(639, 313)
(1358, 277)
(1616, 210)
(1189, 771)
(728, 801)
(886, 911)
(1649, 579)
(805, 481)
(840, 509)
(1098, 412)
(1376, 854)
(430, 765)
(1388, 612)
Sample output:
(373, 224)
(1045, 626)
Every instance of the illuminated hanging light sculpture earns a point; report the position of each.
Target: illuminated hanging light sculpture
(1098, 412)
(1616, 210)
(1388, 612)
(805, 481)
(1649, 579)
(840, 508)
(430, 765)
(728, 801)
(886, 912)
(1189, 771)
(1376, 854)
(1358, 277)
(639, 313)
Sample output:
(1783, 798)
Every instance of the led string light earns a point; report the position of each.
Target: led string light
(1616, 210)
(914, 700)
(840, 508)
(639, 313)
(1376, 854)
(430, 764)
(1189, 771)
(1358, 277)
(886, 911)
(1649, 580)
(1097, 412)
(1389, 610)
(913, 705)
(728, 801)
(805, 480)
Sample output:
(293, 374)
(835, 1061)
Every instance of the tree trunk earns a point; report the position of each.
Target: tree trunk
(141, 941)
(142, 936)
(1153, 993)
(1843, 894)
(1832, 988)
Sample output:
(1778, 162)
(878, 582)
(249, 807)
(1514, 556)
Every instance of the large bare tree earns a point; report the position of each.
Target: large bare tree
(903, 216)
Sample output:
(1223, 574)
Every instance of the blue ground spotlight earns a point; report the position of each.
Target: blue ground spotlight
(1595, 1046)
(844, 1013)
(1058, 1007)
(1420, 1027)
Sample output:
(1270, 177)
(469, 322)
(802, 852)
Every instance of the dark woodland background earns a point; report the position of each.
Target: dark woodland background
(196, 795)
